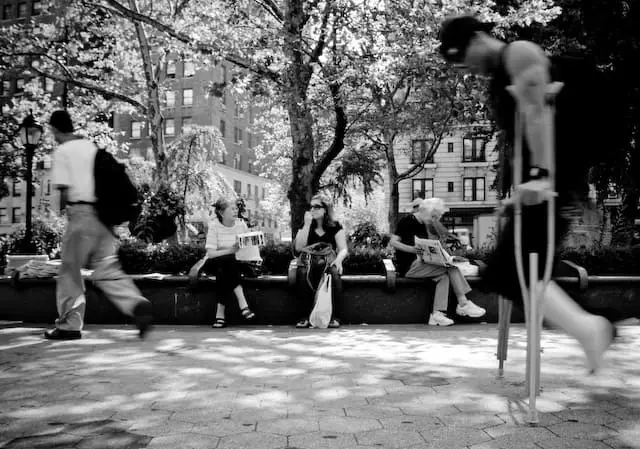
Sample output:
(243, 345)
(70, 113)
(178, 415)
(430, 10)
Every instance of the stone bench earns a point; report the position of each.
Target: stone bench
(370, 299)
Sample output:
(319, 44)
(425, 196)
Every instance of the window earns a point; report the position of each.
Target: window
(36, 7)
(450, 147)
(170, 97)
(19, 85)
(7, 12)
(22, 10)
(249, 140)
(136, 130)
(48, 191)
(473, 189)
(48, 85)
(421, 188)
(187, 97)
(249, 191)
(263, 193)
(170, 127)
(224, 81)
(249, 214)
(223, 128)
(255, 192)
(16, 215)
(473, 149)
(171, 69)
(250, 169)
(449, 187)
(186, 123)
(237, 135)
(6, 87)
(239, 111)
(4, 219)
(16, 188)
(189, 69)
(237, 187)
(419, 149)
(251, 115)
(223, 158)
(237, 161)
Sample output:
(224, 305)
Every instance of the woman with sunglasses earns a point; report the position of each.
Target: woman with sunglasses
(320, 226)
(223, 248)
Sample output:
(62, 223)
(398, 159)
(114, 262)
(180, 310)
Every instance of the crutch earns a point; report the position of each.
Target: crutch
(533, 296)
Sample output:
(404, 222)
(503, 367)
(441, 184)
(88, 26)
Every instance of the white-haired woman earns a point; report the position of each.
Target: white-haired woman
(425, 224)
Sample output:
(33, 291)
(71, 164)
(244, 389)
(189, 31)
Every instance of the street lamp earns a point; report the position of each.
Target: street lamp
(29, 133)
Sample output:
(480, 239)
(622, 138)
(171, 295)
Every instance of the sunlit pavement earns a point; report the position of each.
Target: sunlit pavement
(359, 387)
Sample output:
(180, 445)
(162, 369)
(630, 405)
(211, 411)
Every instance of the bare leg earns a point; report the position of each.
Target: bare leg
(594, 333)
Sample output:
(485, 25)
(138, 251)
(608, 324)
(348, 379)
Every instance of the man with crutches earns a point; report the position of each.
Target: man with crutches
(521, 96)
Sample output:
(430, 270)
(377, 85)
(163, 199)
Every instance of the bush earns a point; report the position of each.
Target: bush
(47, 239)
(609, 260)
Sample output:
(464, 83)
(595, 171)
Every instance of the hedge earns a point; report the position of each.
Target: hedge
(140, 258)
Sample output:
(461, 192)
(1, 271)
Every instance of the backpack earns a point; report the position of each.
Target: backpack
(116, 195)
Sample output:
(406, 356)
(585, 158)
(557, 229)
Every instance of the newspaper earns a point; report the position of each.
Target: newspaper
(433, 252)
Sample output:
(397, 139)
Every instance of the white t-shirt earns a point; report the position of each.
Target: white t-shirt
(73, 164)
(220, 236)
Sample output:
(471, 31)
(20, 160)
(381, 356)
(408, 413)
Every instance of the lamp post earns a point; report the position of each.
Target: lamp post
(29, 133)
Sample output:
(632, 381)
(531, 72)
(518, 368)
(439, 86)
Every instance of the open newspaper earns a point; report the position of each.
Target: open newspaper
(434, 253)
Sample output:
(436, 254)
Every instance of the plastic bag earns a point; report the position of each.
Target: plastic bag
(322, 309)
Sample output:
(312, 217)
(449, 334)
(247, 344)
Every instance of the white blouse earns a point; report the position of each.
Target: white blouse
(220, 236)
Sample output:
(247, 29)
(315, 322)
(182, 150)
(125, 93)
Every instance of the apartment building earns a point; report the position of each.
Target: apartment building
(185, 103)
(461, 173)
(45, 198)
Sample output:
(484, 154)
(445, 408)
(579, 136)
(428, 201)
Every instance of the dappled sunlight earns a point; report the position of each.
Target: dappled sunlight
(231, 380)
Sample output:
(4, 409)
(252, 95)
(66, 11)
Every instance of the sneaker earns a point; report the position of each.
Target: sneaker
(439, 319)
(470, 310)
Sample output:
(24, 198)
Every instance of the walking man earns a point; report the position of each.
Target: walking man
(87, 241)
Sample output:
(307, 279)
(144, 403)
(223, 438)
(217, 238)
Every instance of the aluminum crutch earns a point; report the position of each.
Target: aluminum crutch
(533, 296)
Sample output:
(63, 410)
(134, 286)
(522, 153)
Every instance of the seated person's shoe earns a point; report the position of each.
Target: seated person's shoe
(471, 310)
(143, 315)
(61, 334)
(302, 324)
(247, 314)
(439, 319)
(334, 324)
(219, 323)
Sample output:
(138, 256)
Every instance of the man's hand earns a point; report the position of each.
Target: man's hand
(534, 192)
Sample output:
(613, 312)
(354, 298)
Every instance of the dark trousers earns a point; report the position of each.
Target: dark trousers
(228, 272)
(306, 292)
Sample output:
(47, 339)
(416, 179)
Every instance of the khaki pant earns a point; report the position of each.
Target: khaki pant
(442, 276)
(87, 243)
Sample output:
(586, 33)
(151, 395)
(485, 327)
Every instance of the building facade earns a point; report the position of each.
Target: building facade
(186, 102)
(461, 173)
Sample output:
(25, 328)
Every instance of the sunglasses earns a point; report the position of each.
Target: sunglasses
(317, 206)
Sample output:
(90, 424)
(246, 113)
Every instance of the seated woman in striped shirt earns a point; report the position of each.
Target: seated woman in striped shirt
(222, 246)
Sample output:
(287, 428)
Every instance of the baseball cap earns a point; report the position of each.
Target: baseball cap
(61, 120)
(456, 33)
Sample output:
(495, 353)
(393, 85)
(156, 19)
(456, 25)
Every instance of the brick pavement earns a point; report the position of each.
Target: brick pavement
(358, 387)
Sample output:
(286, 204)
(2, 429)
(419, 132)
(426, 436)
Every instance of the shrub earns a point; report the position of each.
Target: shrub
(47, 239)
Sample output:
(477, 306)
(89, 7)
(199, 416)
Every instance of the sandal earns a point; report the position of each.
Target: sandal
(247, 314)
(219, 323)
(302, 324)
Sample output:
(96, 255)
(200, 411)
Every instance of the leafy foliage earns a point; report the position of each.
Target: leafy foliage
(160, 211)
(47, 238)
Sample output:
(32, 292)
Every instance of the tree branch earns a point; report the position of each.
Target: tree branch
(270, 7)
(206, 49)
(338, 138)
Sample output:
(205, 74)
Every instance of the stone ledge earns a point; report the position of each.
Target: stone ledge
(365, 299)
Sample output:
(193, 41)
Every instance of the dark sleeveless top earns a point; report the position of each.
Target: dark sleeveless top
(583, 126)
(329, 235)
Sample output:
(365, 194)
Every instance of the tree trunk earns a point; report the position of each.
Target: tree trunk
(302, 185)
(394, 194)
(154, 111)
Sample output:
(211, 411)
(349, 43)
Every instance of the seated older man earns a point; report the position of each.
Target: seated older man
(424, 223)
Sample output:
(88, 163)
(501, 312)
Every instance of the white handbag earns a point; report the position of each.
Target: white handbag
(322, 309)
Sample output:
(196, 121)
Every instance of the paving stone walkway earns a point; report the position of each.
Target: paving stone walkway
(357, 387)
